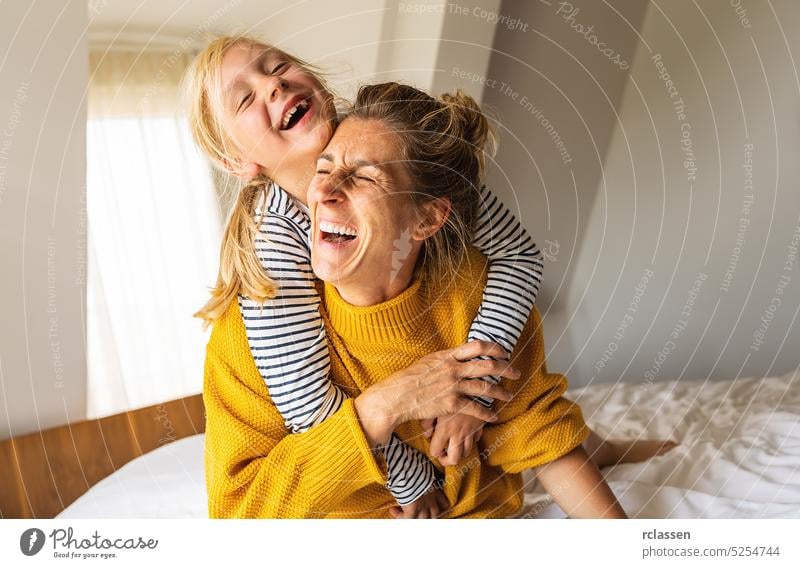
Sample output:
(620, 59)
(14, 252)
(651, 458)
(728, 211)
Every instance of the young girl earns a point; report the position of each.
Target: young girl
(264, 115)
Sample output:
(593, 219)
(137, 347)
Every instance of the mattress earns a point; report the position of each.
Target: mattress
(738, 456)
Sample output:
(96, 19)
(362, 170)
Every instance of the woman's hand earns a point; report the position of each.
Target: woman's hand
(452, 437)
(429, 506)
(434, 386)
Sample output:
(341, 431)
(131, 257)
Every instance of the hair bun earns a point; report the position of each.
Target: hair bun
(471, 124)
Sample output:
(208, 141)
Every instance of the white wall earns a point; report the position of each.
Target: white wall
(432, 44)
(42, 215)
(628, 214)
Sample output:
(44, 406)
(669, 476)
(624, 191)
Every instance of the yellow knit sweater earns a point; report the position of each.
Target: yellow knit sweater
(256, 468)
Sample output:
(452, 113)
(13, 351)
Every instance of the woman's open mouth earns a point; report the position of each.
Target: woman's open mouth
(337, 234)
(295, 114)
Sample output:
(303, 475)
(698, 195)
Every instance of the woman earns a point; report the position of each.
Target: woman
(400, 293)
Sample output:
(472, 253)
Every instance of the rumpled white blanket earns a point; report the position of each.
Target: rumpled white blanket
(739, 452)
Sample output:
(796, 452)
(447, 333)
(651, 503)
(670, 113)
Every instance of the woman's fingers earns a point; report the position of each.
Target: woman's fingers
(428, 388)
(483, 368)
(486, 389)
(472, 349)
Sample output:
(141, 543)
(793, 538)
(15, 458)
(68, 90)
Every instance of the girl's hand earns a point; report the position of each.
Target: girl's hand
(429, 506)
(434, 386)
(453, 436)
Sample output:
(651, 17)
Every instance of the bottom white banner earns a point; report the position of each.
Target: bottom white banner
(129, 542)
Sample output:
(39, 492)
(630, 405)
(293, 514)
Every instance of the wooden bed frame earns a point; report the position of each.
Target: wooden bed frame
(44, 472)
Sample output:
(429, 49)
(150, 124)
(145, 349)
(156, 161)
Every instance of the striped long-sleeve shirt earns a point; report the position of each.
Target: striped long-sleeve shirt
(287, 335)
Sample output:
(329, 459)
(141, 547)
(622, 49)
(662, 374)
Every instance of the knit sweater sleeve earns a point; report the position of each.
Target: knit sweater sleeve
(254, 466)
(538, 425)
(514, 276)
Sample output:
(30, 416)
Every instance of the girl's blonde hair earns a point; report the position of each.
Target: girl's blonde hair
(240, 270)
(444, 143)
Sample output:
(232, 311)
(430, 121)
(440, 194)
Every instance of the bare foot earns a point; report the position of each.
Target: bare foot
(631, 451)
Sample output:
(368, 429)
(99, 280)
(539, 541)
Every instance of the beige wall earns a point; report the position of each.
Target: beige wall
(42, 215)
(635, 207)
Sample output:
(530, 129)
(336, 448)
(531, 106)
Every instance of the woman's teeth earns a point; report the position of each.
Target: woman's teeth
(332, 232)
(329, 227)
(299, 109)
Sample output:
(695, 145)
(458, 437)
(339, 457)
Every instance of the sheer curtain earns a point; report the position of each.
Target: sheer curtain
(154, 230)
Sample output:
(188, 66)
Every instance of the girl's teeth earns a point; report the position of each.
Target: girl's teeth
(288, 116)
(290, 113)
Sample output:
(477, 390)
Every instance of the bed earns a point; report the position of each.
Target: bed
(739, 453)
(739, 456)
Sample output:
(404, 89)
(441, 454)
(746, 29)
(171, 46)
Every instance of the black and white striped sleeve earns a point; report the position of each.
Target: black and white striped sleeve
(514, 276)
(289, 345)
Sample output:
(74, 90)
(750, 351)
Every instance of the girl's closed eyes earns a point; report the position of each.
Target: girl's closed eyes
(248, 96)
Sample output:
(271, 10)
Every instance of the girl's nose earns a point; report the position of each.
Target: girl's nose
(274, 86)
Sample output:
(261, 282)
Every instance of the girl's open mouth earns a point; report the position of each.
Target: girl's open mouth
(295, 114)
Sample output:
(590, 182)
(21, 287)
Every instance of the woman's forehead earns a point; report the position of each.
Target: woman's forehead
(365, 140)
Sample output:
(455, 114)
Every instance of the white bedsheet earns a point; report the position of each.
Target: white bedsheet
(739, 456)
(739, 453)
(168, 482)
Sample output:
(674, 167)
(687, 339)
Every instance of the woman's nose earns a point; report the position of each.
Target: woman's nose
(326, 190)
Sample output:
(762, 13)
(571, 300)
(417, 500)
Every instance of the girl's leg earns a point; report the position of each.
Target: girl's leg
(605, 452)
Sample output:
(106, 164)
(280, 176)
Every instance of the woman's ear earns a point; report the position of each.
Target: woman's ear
(433, 216)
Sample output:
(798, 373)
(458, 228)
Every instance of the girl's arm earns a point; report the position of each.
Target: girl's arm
(514, 276)
(289, 345)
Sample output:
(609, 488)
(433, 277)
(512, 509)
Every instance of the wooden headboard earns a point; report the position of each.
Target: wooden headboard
(44, 472)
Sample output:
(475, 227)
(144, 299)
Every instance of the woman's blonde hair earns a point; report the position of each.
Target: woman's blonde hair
(240, 270)
(443, 143)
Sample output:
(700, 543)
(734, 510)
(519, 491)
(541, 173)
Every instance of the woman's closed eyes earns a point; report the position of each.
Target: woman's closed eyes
(326, 171)
(364, 179)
